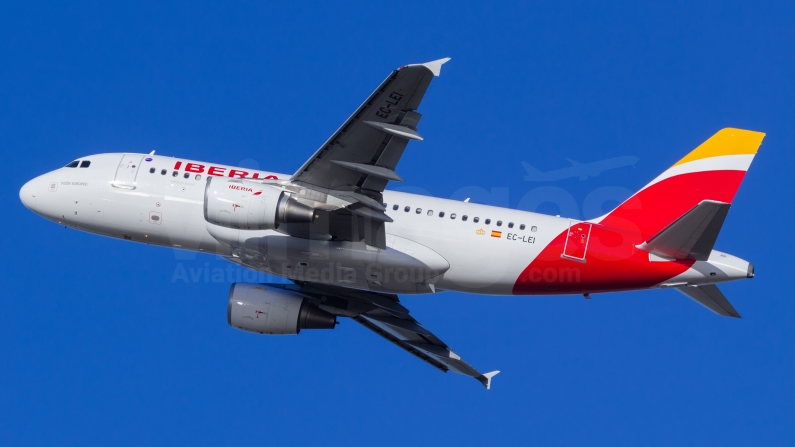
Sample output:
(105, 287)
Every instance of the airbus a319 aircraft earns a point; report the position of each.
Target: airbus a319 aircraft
(350, 246)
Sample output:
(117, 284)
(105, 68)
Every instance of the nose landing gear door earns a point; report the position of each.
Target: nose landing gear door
(576, 241)
(127, 170)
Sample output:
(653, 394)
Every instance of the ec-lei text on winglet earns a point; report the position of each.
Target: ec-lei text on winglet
(434, 66)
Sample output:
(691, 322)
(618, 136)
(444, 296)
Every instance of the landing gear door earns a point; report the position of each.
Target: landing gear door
(576, 244)
(127, 170)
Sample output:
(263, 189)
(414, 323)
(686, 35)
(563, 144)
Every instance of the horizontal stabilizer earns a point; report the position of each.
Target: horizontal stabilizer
(712, 298)
(692, 235)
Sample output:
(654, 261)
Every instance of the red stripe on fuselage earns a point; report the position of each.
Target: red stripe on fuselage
(612, 261)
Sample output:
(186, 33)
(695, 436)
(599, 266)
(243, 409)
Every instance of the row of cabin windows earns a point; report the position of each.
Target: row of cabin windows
(394, 207)
(174, 174)
(463, 218)
(76, 163)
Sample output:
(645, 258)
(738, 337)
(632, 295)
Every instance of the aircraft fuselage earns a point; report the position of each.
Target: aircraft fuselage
(432, 244)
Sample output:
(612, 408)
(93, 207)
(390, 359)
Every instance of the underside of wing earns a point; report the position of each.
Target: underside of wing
(347, 175)
(384, 315)
(363, 153)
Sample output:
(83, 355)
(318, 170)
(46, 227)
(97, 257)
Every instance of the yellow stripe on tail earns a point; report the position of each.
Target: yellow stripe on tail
(728, 141)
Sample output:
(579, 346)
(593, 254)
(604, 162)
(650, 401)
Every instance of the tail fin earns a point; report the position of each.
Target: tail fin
(713, 171)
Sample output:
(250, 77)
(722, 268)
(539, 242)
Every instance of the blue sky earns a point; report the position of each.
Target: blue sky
(103, 344)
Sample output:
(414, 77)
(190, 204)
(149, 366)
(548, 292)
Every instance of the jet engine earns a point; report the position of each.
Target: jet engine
(247, 205)
(270, 310)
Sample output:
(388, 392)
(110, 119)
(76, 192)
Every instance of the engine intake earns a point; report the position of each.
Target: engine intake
(246, 205)
(269, 310)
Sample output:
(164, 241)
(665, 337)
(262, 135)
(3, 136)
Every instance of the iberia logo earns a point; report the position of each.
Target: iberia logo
(258, 192)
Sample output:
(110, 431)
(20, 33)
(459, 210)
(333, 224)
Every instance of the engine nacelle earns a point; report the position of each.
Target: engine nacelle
(247, 205)
(270, 310)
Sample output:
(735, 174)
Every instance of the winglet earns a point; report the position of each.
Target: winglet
(485, 379)
(434, 66)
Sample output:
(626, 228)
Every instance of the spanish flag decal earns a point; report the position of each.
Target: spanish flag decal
(495, 233)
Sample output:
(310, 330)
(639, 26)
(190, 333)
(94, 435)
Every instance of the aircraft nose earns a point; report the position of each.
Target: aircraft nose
(27, 194)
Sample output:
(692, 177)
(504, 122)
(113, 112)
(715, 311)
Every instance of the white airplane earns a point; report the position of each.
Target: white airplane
(350, 246)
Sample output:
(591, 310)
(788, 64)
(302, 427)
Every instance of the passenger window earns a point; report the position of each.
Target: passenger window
(488, 221)
(452, 216)
(85, 164)
(499, 223)
(151, 170)
(510, 224)
(476, 219)
(430, 212)
(186, 175)
(419, 210)
(407, 209)
(464, 218)
(395, 207)
(73, 164)
(533, 229)
(163, 172)
(198, 176)
(521, 227)
(441, 213)
(175, 174)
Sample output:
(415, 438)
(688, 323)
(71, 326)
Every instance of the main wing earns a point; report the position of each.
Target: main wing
(363, 153)
(352, 168)
(383, 314)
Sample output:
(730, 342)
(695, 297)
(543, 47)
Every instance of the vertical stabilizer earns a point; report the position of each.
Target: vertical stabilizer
(713, 171)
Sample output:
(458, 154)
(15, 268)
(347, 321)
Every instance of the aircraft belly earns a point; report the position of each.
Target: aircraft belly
(403, 267)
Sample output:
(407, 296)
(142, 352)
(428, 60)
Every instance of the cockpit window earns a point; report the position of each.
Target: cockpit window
(85, 164)
(73, 164)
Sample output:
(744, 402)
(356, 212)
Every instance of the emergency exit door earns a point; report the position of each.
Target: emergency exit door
(576, 244)
(127, 170)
